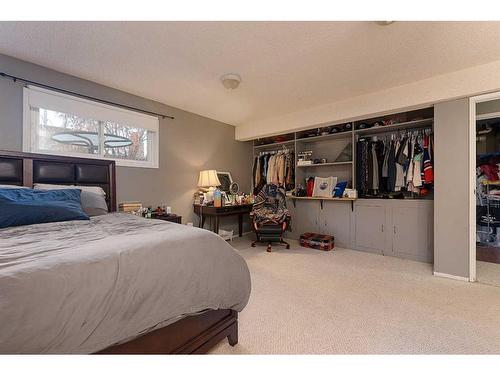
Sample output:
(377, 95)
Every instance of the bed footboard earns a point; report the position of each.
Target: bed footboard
(191, 335)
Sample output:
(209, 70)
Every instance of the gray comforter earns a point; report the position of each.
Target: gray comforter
(79, 286)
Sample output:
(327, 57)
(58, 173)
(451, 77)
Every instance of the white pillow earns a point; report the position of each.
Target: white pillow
(13, 187)
(91, 189)
(92, 198)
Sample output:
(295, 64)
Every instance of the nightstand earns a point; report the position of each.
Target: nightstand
(172, 218)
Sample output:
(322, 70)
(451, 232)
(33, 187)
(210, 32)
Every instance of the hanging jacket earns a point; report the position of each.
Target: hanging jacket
(428, 168)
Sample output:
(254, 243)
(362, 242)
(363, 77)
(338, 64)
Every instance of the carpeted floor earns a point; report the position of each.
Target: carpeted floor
(351, 302)
(488, 273)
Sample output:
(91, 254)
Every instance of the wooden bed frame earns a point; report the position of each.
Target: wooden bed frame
(191, 334)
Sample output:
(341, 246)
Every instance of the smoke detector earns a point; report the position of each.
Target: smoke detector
(231, 81)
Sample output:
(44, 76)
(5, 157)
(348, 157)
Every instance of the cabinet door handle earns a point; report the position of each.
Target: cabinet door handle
(394, 229)
(382, 227)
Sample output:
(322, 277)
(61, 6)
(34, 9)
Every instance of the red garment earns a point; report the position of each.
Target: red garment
(490, 171)
(428, 175)
(310, 186)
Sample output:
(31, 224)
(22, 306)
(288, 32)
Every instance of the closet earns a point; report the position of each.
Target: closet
(273, 164)
(389, 160)
(397, 164)
(487, 188)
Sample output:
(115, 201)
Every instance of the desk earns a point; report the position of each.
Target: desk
(217, 212)
(172, 218)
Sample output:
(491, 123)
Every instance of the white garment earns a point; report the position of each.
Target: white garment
(409, 174)
(271, 176)
(417, 166)
(400, 179)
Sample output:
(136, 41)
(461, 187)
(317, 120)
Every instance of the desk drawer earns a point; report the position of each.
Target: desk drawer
(230, 209)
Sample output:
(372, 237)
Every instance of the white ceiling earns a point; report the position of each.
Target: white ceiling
(285, 66)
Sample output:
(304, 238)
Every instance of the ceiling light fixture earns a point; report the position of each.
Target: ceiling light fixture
(384, 23)
(231, 81)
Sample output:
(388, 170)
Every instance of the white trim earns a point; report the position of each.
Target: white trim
(26, 122)
(453, 277)
(472, 189)
(118, 162)
(487, 116)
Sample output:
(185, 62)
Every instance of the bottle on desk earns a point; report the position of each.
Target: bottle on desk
(217, 198)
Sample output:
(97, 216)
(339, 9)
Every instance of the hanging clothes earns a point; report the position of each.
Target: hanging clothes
(375, 170)
(257, 172)
(362, 167)
(428, 168)
(274, 167)
(402, 163)
(391, 165)
(417, 163)
(399, 179)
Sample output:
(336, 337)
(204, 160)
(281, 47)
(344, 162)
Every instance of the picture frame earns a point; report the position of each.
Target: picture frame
(226, 180)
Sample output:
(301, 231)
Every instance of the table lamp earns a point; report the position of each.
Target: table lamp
(208, 180)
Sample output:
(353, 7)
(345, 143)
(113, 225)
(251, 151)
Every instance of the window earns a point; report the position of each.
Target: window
(60, 124)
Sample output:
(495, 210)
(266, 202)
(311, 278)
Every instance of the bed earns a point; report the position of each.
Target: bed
(117, 284)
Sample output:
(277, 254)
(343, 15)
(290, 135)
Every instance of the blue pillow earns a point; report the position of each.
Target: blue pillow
(28, 206)
(339, 189)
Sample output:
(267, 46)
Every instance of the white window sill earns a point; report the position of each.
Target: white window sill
(118, 162)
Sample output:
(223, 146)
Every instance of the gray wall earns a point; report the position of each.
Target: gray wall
(451, 196)
(188, 144)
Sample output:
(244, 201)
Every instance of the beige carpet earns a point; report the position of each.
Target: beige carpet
(488, 273)
(345, 301)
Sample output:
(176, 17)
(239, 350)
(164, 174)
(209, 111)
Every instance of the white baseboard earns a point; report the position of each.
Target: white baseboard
(448, 276)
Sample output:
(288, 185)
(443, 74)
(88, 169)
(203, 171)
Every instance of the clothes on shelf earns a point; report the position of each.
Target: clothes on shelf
(394, 164)
(274, 167)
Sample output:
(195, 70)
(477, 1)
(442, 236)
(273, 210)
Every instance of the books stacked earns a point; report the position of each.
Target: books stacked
(129, 206)
(304, 162)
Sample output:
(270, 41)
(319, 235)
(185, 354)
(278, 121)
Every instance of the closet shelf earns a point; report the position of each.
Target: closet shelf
(490, 182)
(401, 126)
(274, 145)
(346, 134)
(324, 164)
(322, 199)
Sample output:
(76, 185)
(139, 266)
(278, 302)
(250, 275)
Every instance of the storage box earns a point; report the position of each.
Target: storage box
(317, 241)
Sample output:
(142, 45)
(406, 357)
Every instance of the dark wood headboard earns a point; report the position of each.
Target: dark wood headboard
(26, 169)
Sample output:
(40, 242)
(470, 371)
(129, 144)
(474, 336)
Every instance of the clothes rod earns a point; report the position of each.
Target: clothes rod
(42, 85)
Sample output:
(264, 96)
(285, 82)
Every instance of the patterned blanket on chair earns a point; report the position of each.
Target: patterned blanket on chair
(270, 206)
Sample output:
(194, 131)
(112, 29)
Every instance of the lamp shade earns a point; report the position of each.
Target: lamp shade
(208, 178)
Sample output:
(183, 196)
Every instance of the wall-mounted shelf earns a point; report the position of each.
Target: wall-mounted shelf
(274, 145)
(324, 164)
(321, 199)
(346, 134)
(400, 126)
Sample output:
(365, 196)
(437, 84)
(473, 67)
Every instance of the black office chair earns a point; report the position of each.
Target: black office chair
(270, 217)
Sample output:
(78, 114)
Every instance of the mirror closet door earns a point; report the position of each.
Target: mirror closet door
(488, 192)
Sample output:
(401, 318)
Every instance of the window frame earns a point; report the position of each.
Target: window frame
(30, 122)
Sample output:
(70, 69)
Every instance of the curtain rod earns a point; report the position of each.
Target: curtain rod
(20, 79)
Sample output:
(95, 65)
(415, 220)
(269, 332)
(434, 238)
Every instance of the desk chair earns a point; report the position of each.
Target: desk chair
(270, 217)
